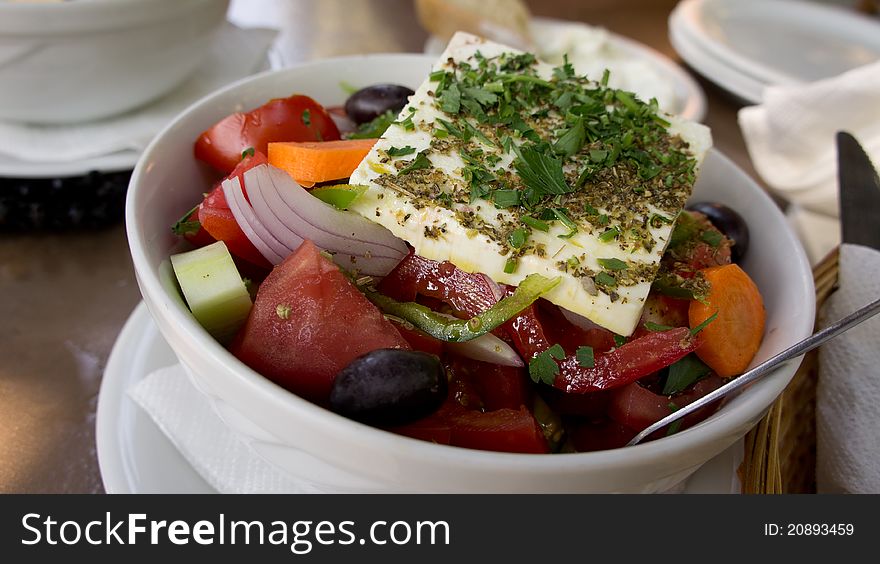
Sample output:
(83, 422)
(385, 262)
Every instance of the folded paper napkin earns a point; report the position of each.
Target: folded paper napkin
(235, 53)
(186, 417)
(848, 395)
(229, 465)
(790, 138)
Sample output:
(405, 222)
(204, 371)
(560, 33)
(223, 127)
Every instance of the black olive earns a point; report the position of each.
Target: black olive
(369, 103)
(728, 222)
(389, 387)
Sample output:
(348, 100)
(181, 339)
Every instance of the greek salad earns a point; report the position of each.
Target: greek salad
(500, 259)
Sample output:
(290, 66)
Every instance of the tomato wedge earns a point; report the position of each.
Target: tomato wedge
(296, 118)
(308, 323)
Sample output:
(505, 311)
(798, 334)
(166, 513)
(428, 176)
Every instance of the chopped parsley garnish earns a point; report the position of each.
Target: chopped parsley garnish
(619, 340)
(535, 223)
(651, 326)
(609, 235)
(420, 162)
(373, 129)
(306, 117)
(544, 368)
(185, 227)
(612, 264)
(400, 151)
(712, 238)
(249, 152)
(605, 279)
(517, 238)
(510, 266)
(684, 374)
(585, 357)
(703, 325)
(506, 198)
(541, 173)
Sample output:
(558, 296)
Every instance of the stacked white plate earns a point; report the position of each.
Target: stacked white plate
(745, 45)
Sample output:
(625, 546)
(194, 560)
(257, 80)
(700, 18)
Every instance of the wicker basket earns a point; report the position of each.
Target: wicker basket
(780, 452)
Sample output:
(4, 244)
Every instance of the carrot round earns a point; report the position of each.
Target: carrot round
(319, 161)
(730, 341)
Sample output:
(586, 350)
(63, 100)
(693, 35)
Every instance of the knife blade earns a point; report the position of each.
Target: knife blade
(859, 193)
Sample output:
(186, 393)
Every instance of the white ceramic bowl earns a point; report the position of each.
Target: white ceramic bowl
(86, 59)
(336, 454)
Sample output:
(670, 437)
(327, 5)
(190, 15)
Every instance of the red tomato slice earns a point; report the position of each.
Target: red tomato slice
(499, 387)
(309, 322)
(503, 430)
(297, 118)
(602, 435)
(200, 238)
(636, 407)
(468, 294)
(217, 219)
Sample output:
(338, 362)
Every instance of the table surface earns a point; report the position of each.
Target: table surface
(64, 297)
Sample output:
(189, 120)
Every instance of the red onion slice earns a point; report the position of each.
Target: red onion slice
(328, 227)
(273, 250)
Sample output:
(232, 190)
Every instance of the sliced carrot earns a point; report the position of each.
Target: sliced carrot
(316, 161)
(730, 341)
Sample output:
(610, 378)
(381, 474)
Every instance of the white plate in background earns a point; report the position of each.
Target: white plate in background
(774, 42)
(135, 456)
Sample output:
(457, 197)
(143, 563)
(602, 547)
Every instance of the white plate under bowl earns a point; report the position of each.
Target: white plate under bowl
(135, 456)
(690, 99)
(779, 41)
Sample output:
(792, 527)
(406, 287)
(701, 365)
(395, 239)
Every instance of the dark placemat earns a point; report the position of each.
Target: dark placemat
(91, 201)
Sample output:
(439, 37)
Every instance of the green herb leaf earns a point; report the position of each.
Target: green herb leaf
(606, 74)
(605, 279)
(712, 237)
(517, 238)
(535, 223)
(400, 151)
(450, 99)
(420, 162)
(612, 264)
(566, 221)
(585, 357)
(185, 227)
(544, 368)
(540, 172)
(703, 325)
(481, 95)
(609, 235)
(249, 152)
(655, 327)
(506, 198)
(306, 117)
(375, 128)
(572, 141)
(619, 340)
(684, 374)
(510, 266)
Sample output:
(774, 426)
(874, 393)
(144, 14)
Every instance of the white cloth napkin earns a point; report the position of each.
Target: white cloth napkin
(790, 136)
(848, 395)
(212, 449)
(235, 53)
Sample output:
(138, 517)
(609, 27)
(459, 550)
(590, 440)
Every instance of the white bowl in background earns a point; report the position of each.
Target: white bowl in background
(78, 61)
(338, 454)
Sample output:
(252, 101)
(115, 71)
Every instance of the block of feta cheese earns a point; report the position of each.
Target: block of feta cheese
(508, 166)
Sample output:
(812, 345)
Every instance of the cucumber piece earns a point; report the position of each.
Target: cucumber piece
(213, 289)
